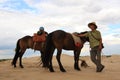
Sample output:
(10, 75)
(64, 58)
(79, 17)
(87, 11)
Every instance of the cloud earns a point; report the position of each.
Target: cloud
(79, 12)
(16, 6)
(2, 1)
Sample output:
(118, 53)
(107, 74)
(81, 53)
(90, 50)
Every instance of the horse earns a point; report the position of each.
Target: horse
(59, 40)
(24, 43)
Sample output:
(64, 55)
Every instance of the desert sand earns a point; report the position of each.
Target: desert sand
(33, 71)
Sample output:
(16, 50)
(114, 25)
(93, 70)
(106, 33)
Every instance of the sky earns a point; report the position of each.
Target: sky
(19, 18)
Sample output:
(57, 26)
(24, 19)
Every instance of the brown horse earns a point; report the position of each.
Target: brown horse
(61, 40)
(24, 43)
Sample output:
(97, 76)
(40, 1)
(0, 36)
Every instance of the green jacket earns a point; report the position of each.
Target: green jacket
(93, 41)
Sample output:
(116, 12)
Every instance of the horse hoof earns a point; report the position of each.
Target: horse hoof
(52, 71)
(63, 70)
(21, 66)
(78, 69)
(14, 66)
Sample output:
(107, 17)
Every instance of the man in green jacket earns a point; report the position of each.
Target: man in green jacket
(95, 45)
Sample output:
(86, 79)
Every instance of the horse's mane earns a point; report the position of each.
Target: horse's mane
(84, 38)
(83, 32)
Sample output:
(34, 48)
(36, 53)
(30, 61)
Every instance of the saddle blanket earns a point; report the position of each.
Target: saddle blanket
(77, 40)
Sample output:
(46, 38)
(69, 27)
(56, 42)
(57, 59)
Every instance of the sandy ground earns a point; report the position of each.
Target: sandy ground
(32, 70)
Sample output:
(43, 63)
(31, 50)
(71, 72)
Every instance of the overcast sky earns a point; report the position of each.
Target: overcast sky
(24, 17)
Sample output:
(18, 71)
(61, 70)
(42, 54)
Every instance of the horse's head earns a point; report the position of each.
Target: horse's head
(84, 39)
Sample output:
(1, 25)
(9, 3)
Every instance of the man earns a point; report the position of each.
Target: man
(95, 45)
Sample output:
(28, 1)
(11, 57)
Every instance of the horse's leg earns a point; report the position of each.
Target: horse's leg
(59, 62)
(15, 59)
(51, 66)
(17, 52)
(76, 59)
(41, 57)
(20, 58)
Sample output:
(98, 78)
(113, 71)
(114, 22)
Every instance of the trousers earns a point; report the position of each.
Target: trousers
(95, 54)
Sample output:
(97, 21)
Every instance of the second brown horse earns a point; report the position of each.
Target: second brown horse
(24, 43)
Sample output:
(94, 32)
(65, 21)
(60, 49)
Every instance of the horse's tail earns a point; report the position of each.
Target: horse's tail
(48, 54)
(17, 50)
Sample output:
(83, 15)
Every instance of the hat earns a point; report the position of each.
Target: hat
(92, 23)
(41, 28)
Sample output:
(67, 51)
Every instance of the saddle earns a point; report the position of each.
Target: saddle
(39, 38)
(38, 41)
(77, 40)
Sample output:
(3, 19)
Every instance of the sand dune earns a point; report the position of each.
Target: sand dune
(32, 70)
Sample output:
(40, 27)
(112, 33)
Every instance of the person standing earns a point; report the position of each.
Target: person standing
(95, 40)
